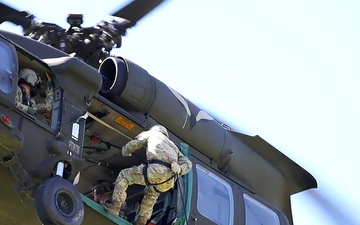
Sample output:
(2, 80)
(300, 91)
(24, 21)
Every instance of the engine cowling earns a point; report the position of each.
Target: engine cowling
(127, 84)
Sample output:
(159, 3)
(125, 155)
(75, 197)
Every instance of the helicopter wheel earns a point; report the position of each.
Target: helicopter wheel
(58, 202)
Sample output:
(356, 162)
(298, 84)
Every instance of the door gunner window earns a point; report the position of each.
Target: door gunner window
(6, 68)
(215, 198)
(36, 87)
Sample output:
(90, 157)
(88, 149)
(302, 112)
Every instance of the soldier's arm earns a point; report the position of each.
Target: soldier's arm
(135, 144)
(49, 99)
(184, 163)
(18, 100)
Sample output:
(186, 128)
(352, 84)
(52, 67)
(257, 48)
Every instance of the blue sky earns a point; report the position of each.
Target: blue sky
(285, 70)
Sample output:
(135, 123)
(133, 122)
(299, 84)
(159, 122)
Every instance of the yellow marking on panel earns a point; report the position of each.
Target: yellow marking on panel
(124, 122)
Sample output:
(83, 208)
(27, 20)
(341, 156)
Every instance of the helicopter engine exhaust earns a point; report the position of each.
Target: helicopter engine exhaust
(126, 84)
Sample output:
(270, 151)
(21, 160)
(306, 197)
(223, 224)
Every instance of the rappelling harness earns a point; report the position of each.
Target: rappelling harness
(156, 161)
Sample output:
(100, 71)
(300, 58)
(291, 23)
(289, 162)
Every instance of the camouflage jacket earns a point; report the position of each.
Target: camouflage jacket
(158, 147)
(23, 101)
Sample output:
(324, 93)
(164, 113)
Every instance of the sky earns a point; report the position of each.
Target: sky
(287, 71)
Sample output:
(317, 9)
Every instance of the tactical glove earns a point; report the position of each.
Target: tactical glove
(31, 111)
(175, 168)
(124, 152)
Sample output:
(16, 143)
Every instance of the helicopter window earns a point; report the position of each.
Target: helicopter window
(41, 81)
(259, 214)
(6, 68)
(215, 197)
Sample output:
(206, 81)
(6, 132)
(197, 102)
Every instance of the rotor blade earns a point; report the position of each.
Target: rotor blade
(136, 10)
(10, 14)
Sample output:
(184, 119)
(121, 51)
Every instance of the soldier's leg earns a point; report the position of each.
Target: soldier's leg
(146, 207)
(125, 178)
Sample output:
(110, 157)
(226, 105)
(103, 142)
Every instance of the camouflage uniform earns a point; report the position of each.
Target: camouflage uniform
(158, 147)
(23, 101)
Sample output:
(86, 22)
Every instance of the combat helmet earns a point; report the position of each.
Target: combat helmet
(29, 76)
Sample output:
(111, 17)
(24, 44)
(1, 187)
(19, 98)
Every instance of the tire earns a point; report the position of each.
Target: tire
(58, 202)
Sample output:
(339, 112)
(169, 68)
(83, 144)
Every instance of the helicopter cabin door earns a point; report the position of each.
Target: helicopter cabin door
(212, 197)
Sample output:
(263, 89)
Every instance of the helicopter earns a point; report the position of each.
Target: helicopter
(100, 103)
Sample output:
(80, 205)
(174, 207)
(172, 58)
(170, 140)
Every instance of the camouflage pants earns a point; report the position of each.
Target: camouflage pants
(134, 175)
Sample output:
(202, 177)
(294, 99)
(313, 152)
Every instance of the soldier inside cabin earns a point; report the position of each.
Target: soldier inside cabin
(27, 89)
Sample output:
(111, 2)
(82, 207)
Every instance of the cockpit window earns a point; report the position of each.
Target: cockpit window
(214, 198)
(6, 68)
(259, 214)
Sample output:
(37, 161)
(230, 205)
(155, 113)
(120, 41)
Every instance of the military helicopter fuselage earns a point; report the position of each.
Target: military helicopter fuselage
(64, 163)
